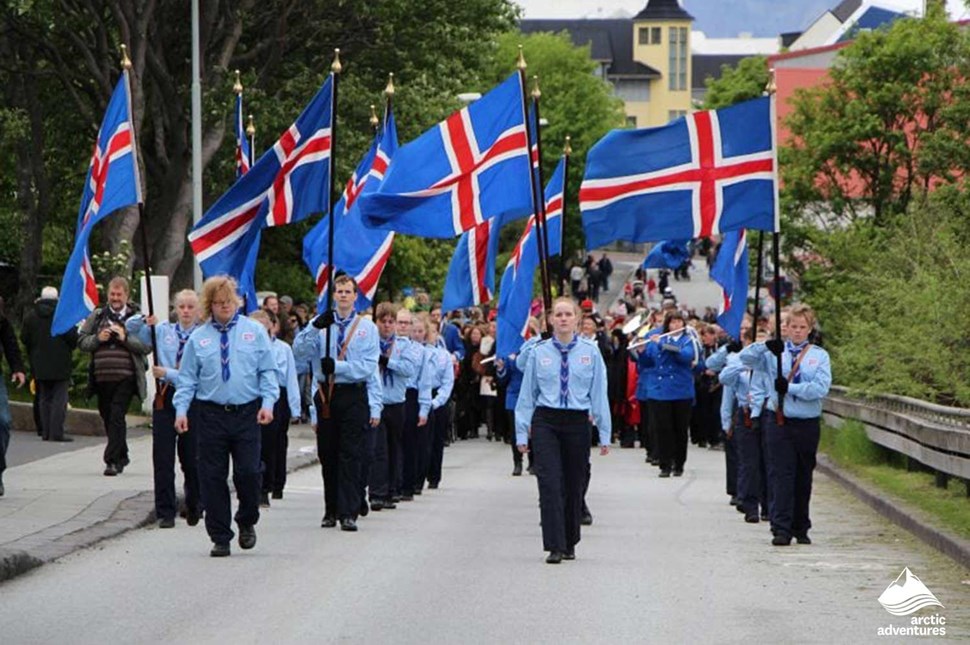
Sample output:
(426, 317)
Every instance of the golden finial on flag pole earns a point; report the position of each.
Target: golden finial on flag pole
(521, 61)
(374, 121)
(770, 87)
(250, 127)
(125, 61)
(237, 86)
(389, 90)
(536, 92)
(335, 66)
(568, 148)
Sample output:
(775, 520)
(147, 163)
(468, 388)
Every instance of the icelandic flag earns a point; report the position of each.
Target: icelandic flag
(242, 143)
(515, 293)
(668, 254)
(469, 168)
(112, 183)
(287, 183)
(707, 173)
(247, 279)
(730, 270)
(360, 251)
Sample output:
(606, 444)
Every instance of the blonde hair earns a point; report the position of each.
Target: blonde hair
(183, 294)
(119, 281)
(423, 320)
(569, 301)
(260, 316)
(220, 286)
(801, 310)
(385, 310)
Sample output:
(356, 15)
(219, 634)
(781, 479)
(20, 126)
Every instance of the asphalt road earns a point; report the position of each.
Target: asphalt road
(665, 561)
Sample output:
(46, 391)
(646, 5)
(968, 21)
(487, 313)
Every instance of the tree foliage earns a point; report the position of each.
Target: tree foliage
(747, 80)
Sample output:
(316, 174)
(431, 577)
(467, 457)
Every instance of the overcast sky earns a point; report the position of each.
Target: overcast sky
(759, 17)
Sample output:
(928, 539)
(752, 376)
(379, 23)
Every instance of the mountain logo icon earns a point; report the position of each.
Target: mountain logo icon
(907, 594)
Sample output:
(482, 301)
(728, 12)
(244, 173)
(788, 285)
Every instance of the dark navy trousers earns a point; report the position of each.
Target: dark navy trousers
(409, 442)
(341, 448)
(166, 444)
(791, 450)
(752, 474)
(226, 431)
(274, 445)
(437, 431)
(385, 472)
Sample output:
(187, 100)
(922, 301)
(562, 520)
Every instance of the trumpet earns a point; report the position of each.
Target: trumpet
(643, 340)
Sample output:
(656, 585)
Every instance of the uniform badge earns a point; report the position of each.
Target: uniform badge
(812, 362)
(362, 334)
(545, 362)
(204, 342)
(170, 340)
(248, 336)
(586, 360)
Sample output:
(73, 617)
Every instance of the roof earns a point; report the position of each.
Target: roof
(845, 9)
(610, 41)
(663, 10)
(704, 65)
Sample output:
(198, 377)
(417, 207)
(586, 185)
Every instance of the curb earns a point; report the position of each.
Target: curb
(910, 519)
(133, 512)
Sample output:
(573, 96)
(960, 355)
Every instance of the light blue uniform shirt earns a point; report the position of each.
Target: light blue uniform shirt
(440, 378)
(525, 352)
(252, 368)
(286, 365)
(360, 362)
(587, 387)
(804, 399)
(421, 381)
(748, 384)
(375, 395)
(402, 363)
(166, 341)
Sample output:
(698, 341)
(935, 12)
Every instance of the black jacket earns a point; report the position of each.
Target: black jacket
(50, 357)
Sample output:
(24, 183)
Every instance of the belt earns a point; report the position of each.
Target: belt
(559, 414)
(227, 407)
(350, 386)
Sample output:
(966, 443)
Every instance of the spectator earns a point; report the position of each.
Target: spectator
(50, 364)
(606, 270)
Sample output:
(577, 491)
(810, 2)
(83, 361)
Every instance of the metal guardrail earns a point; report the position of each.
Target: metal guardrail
(933, 435)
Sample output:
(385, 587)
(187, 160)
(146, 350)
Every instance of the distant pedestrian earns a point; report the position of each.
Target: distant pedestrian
(606, 270)
(8, 341)
(228, 376)
(117, 370)
(50, 364)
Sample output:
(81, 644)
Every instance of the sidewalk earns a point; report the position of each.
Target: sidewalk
(60, 503)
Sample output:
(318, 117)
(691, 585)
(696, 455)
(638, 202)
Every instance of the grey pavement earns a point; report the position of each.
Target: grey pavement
(667, 561)
(698, 292)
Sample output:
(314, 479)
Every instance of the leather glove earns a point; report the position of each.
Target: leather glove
(734, 347)
(382, 361)
(324, 320)
(328, 365)
(775, 346)
(781, 386)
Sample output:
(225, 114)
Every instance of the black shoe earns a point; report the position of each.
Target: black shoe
(389, 505)
(247, 537)
(764, 517)
(734, 500)
(417, 492)
(407, 498)
(555, 557)
(364, 509)
(803, 539)
(348, 524)
(751, 518)
(220, 551)
(678, 472)
(62, 440)
(664, 473)
(517, 470)
(110, 470)
(530, 470)
(192, 517)
(277, 494)
(1, 490)
(433, 486)
(166, 523)
(781, 540)
(120, 467)
(376, 505)
(328, 522)
(264, 500)
(587, 519)
(654, 461)
(570, 554)
(395, 498)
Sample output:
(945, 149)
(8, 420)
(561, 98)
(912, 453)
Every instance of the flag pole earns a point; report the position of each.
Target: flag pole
(251, 133)
(125, 69)
(757, 287)
(567, 151)
(389, 91)
(536, 191)
(237, 88)
(335, 69)
(540, 190)
(771, 90)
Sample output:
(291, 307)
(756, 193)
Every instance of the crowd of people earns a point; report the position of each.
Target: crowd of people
(388, 389)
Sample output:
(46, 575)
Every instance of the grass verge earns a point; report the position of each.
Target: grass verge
(851, 449)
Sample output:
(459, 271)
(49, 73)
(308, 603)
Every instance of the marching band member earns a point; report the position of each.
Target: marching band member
(564, 386)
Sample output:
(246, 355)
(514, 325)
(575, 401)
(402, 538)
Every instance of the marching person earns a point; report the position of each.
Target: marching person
(275, 441)
(792, 433)
(436, 414)
(415, 442)
(341, 398)
(171, 339)
(117, 370)
(673, 355)
(563, 388)
(399, 360)
(228, 376)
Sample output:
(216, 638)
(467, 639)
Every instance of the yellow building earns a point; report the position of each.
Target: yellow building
(647, 59)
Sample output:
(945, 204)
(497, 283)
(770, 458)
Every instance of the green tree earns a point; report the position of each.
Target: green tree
(747, 80)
